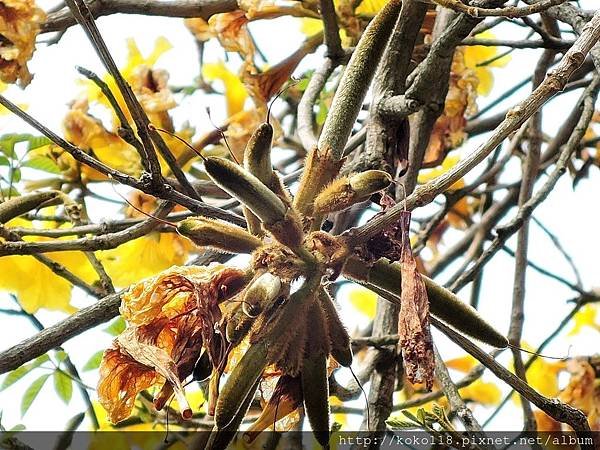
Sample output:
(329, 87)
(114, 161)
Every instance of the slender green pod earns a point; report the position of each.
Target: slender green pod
(385, 278)
(218, 234)
(277, 218)
(247, 188)
(341, 349)
(315, 389)
(220, 438)
(242, 378)
(257, 156)
(356, 80)
(261, 294)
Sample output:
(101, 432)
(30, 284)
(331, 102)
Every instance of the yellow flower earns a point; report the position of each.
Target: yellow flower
(364, 301)
(479, 54)
(585, 317)
(157, 251)
(370, 7)
(485, 393)
(235, 92)
(34, 284)
(19, 25)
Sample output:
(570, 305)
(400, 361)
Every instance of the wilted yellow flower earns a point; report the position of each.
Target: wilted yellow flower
(20, 22)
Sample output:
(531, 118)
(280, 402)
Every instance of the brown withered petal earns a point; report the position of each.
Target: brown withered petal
(121, 379)
(131, 342)
(413, 323)
(177, 290)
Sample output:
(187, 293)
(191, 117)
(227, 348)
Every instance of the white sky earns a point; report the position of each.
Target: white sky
(571, 215)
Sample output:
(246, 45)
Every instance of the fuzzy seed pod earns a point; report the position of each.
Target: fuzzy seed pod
(346, 191)
(261, 293)
(341, 350)
(315, 388)
(276, 217)
(220, 439)
(257, 156)
(242, 379)
(248, 189)
(237, 326)
(218, 234)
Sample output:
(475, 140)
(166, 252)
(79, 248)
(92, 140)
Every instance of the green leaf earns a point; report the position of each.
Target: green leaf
(4, 161)
(94, 362)
(20, 372)
(321, 113)
(63, 386)
(32, 392)
(117, 327)
(10, 193)
(42, 163)
(60, 356)
(37, 142)
(8, 142)
(18, 427)
(396, 424)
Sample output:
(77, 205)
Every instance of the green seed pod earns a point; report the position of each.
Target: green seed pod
(261, 293)
(242, 379)
(315, 389)
(341, 350)
(248, 189)
(345, 192)
(384, 277)
(257, 156)
(220, 439)
(238, 326)
(218, 234)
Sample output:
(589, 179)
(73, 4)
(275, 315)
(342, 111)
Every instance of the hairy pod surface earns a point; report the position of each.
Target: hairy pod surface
(315, 389)
(218, 234)
(339, 340)
(257, 156)
(345, 192)
(220, 438)
(239, 384)
(246, 188)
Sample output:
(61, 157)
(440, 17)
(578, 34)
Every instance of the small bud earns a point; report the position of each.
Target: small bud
(346, 191)
(218, 234)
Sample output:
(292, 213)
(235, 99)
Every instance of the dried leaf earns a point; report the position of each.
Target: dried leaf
(413, 324)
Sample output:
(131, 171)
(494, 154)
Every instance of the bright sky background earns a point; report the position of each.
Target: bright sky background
(571, 215)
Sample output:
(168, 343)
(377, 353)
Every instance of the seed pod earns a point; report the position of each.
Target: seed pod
(346, 191)
(462, 316)
(246, 188)
(315, 388)
(385, 279)
(341, 350)
(238, 326)
(239, 384)
(257, 156)
(261, 293)
(220, 439)
(218, 234)
(277, 218)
